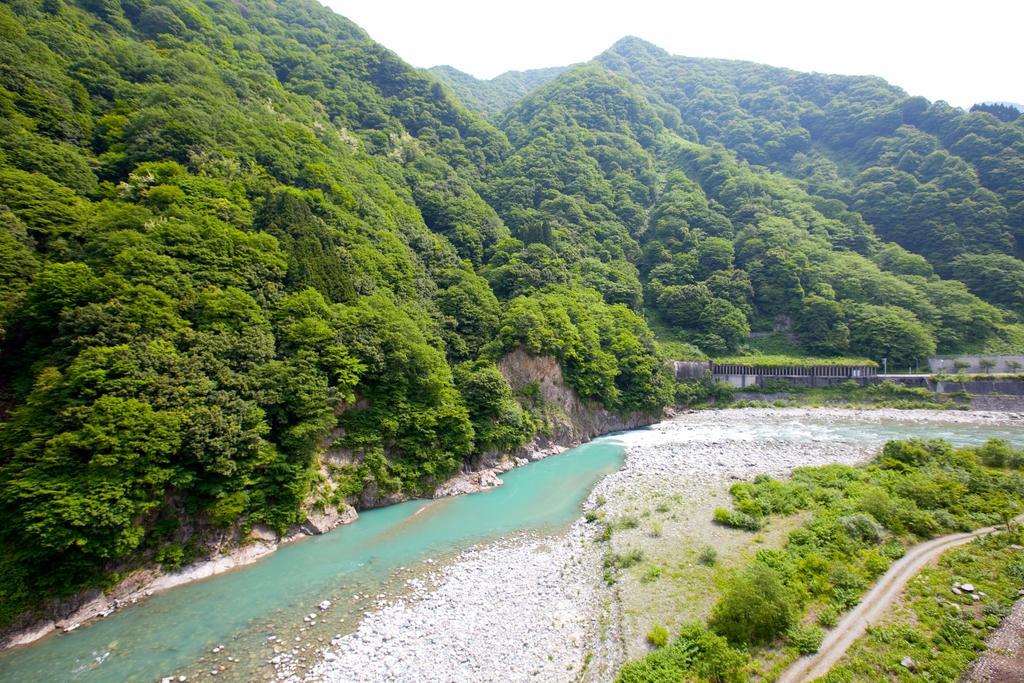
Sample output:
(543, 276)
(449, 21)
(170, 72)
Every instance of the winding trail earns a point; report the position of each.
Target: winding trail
(873, 605)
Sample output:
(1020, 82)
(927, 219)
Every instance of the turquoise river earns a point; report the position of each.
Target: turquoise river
(173, 633)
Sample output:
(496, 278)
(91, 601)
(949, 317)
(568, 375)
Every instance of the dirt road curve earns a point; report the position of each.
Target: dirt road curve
(874, 604)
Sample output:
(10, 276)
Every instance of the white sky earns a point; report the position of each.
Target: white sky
(962, 52)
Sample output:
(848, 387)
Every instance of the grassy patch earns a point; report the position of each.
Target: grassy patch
(884, 395)
(940, 631)
(784, 361)
(857, 521)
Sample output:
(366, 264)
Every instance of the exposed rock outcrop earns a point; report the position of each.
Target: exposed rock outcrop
(468, 482)
(321, 521)
(572, 421)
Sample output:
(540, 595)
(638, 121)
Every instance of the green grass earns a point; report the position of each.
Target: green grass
(858, 520)
(783, 361)
(940, 631)
(885, 395)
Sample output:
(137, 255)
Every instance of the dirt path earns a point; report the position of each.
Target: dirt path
(873, 605)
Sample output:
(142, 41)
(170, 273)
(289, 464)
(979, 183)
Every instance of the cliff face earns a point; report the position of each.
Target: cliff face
(570, 421)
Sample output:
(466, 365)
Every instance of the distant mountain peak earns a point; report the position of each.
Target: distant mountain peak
(635, 44)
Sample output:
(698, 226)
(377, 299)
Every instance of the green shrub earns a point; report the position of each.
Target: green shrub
(806, 639)
(658, 636)
(624, 560)
(628, 522)
(892, 550)
(1016, 569)
(755, 607)
(999, 453)
(170, 556)
(861, 528)
(651, 574)
(829, 615)
(708, 556)
(696, 655)
(874, 563)
(737, 520)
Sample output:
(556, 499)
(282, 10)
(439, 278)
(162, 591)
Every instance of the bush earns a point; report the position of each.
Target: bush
(708, 556)
(737, 520)
(1016, 569)
(623, 560)
(861, 528)
(628, 522)
(999, 453)
(652, 574)
(892, 550)
(829, 615)
(920, 523)
(170, 556)
(658, 636)
(806, 639)
(875, 563)
(697, 654)
(755, 608)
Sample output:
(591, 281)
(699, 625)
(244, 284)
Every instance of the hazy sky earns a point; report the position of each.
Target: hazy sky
(961, 52)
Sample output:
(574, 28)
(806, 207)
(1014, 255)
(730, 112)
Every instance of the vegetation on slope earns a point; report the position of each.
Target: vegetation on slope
(862, 519)
(235, 236)
(493, 96)
(939, 631)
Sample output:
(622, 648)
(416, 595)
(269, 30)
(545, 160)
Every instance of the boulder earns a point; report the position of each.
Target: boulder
(468, 482)
(320, 522)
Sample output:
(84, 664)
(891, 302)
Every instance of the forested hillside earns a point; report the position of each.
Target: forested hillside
(941, 182)
(234, 236)
(493, 96)
(237, 234)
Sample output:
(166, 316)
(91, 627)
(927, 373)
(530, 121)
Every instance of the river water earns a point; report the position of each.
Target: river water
(256, 610)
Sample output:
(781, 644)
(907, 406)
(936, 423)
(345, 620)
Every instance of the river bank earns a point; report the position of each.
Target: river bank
(88, 606)
(543, 609)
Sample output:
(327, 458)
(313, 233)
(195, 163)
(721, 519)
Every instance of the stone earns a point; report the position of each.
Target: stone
(263, 533)
(968, 588)
(957, 591)
(329, 518)
(468, 482)
(908, 663)
(324, 604)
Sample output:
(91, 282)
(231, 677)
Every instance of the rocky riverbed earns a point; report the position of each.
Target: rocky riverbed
(541, 609)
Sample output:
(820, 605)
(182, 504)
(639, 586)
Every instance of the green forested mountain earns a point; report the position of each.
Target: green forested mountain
(236, 234)
(939, 181)
(491, 97)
